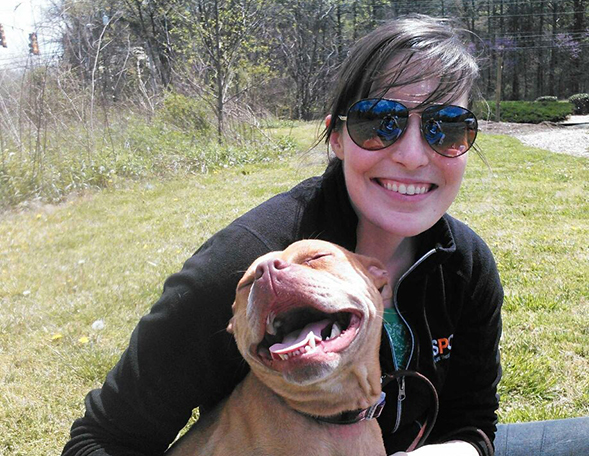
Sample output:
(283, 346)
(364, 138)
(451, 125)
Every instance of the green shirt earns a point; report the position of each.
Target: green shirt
(398, 336)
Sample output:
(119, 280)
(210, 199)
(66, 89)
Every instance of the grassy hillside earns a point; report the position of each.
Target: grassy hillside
(103, 257)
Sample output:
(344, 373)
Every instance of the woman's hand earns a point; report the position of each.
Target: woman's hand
(451, 448)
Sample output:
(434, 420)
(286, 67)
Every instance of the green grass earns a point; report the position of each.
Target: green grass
(106, 254)
(533, 212)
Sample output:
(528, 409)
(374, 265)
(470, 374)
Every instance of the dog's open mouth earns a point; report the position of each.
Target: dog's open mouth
(306, 330)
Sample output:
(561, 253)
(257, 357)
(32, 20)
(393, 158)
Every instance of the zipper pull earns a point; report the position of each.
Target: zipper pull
(402, 394)
(400, 399)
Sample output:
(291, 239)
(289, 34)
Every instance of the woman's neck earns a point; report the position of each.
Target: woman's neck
(397, 253)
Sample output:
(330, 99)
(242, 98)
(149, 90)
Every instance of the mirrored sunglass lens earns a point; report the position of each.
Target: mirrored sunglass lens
(374, 124)
(449, 130)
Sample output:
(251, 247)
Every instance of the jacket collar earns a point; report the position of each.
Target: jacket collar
(440, 238)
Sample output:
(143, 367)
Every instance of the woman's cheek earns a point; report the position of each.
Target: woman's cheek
(452, 169)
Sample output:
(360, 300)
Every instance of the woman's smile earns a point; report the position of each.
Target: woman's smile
(404, 187)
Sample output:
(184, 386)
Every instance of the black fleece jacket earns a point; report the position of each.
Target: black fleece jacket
(180, 357)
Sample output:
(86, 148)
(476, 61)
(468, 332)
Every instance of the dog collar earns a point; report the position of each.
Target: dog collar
(355, 416)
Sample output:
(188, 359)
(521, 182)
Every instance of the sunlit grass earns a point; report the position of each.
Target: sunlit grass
(104, 256)
(532, 209)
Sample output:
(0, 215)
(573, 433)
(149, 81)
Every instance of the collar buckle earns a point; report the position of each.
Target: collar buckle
(356, 416)
(373, 411)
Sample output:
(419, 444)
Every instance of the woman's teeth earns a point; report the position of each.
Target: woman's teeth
(406, 189)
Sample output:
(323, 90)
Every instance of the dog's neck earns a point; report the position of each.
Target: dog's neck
(354, 416)
(358, 388)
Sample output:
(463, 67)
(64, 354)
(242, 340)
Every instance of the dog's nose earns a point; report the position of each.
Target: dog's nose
(269, 266)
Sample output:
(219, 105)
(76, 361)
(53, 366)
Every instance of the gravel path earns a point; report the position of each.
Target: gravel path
(572, 140)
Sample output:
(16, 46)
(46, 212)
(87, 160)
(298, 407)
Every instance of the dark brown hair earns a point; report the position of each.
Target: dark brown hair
(427, 48)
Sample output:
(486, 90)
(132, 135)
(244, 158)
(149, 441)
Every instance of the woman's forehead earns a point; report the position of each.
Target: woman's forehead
(408, 83)
(419, 94)
(412, 95)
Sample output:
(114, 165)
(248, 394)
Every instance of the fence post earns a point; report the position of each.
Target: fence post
(498, 86)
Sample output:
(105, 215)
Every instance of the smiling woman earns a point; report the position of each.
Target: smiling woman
(382, 185)
(385, 196)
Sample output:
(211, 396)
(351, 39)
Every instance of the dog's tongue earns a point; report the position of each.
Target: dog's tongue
(300, 337)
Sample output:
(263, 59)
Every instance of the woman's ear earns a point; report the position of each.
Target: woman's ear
(335, 139)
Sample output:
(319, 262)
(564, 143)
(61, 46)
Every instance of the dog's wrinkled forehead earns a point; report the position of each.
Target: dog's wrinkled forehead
(303, 252)
(300, 252)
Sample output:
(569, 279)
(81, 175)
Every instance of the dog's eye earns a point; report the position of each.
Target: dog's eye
(245, 284)
(316, 257)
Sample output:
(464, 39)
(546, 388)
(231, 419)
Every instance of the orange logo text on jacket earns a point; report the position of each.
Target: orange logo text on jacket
(442, 347)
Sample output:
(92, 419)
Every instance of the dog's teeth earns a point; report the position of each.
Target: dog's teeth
(269, 327)
(272, 325)
(335, 331)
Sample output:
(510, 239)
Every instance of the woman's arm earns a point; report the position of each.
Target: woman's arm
(468, 400)
(179, 357)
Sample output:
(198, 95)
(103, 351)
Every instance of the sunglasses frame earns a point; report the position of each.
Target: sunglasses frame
(421, 124)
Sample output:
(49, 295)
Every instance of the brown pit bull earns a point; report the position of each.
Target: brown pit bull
(308, 322)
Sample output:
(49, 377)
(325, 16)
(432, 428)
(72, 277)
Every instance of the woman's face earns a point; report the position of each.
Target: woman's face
(405, 188)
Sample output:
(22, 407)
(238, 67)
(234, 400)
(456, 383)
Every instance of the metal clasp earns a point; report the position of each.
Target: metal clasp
(375, 410)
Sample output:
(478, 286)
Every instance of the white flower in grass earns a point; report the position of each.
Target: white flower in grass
(98, 325)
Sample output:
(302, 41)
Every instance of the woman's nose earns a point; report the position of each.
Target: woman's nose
(411, 150)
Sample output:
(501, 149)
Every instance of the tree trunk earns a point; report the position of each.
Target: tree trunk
(553, 53)
(220, 78)
(578, 29)
(540, 66)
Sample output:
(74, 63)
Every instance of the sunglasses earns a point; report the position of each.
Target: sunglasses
(376, 123)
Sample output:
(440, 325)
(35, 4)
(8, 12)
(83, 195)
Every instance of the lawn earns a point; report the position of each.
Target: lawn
(76, 277)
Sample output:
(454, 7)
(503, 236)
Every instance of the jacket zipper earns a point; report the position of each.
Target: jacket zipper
(401, 380)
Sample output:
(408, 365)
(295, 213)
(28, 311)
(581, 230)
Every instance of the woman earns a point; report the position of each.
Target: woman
(400, 131)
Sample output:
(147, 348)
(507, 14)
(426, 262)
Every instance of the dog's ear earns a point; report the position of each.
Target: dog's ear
(375, 268)
(386, 291)
(230, 326)
(381, 280)
(379, 275)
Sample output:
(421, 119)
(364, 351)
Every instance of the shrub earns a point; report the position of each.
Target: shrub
(546, 99)
(525, 111)
(185, 113)
(131, 148)
(580, 102)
